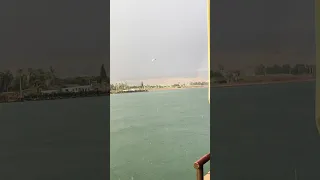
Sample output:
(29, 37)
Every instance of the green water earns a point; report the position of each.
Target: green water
(265, 132)
(62, 139)
(158, 135)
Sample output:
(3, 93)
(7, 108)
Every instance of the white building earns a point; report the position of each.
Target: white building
(50, 91)
(77, 88)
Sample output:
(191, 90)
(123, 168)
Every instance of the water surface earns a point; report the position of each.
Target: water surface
(158, 135)
(265, 132)
(62, 139)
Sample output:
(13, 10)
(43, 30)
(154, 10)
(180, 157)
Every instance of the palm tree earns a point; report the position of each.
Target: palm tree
(20, 74)
(1, 82)
(47, 79)
(103, 74)
(7, 79)
(39, 77)
(52, 75)
(30, 77)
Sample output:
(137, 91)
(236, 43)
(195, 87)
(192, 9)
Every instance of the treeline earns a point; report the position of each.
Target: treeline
(62, 95)
(297, 69)
(125, 86)
(121, 86)
(44, 79)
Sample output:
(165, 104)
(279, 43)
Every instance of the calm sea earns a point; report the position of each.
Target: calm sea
(159, 135)
(63, 139)
(262, 129)
(265, 132)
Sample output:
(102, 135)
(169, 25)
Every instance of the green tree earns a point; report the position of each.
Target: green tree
(20, 77)
(260, 70)
(216, 74)
(286, 69)
(299, 69)
(31, 77)
(103, 74)
(52, 75)
(7, 79)
(1, 82)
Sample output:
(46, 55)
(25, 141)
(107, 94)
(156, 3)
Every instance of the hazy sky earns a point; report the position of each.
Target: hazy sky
(172, 31)
(249, 32)
(70, 35)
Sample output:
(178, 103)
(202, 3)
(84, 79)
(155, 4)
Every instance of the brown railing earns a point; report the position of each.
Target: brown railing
(198, 165)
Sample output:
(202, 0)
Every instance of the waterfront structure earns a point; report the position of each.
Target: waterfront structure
(50, 91)
(77, 88)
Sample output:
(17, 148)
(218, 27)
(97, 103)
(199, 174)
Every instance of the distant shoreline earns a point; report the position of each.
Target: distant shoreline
(171, 88)
(49, 97)
(260, 83)
(236, 84)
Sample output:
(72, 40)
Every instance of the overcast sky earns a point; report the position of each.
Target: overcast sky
(172, 31)
(249, 32)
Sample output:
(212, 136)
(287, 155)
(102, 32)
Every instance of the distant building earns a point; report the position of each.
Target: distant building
(77, 88)
(50, 91)
(31, 91)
